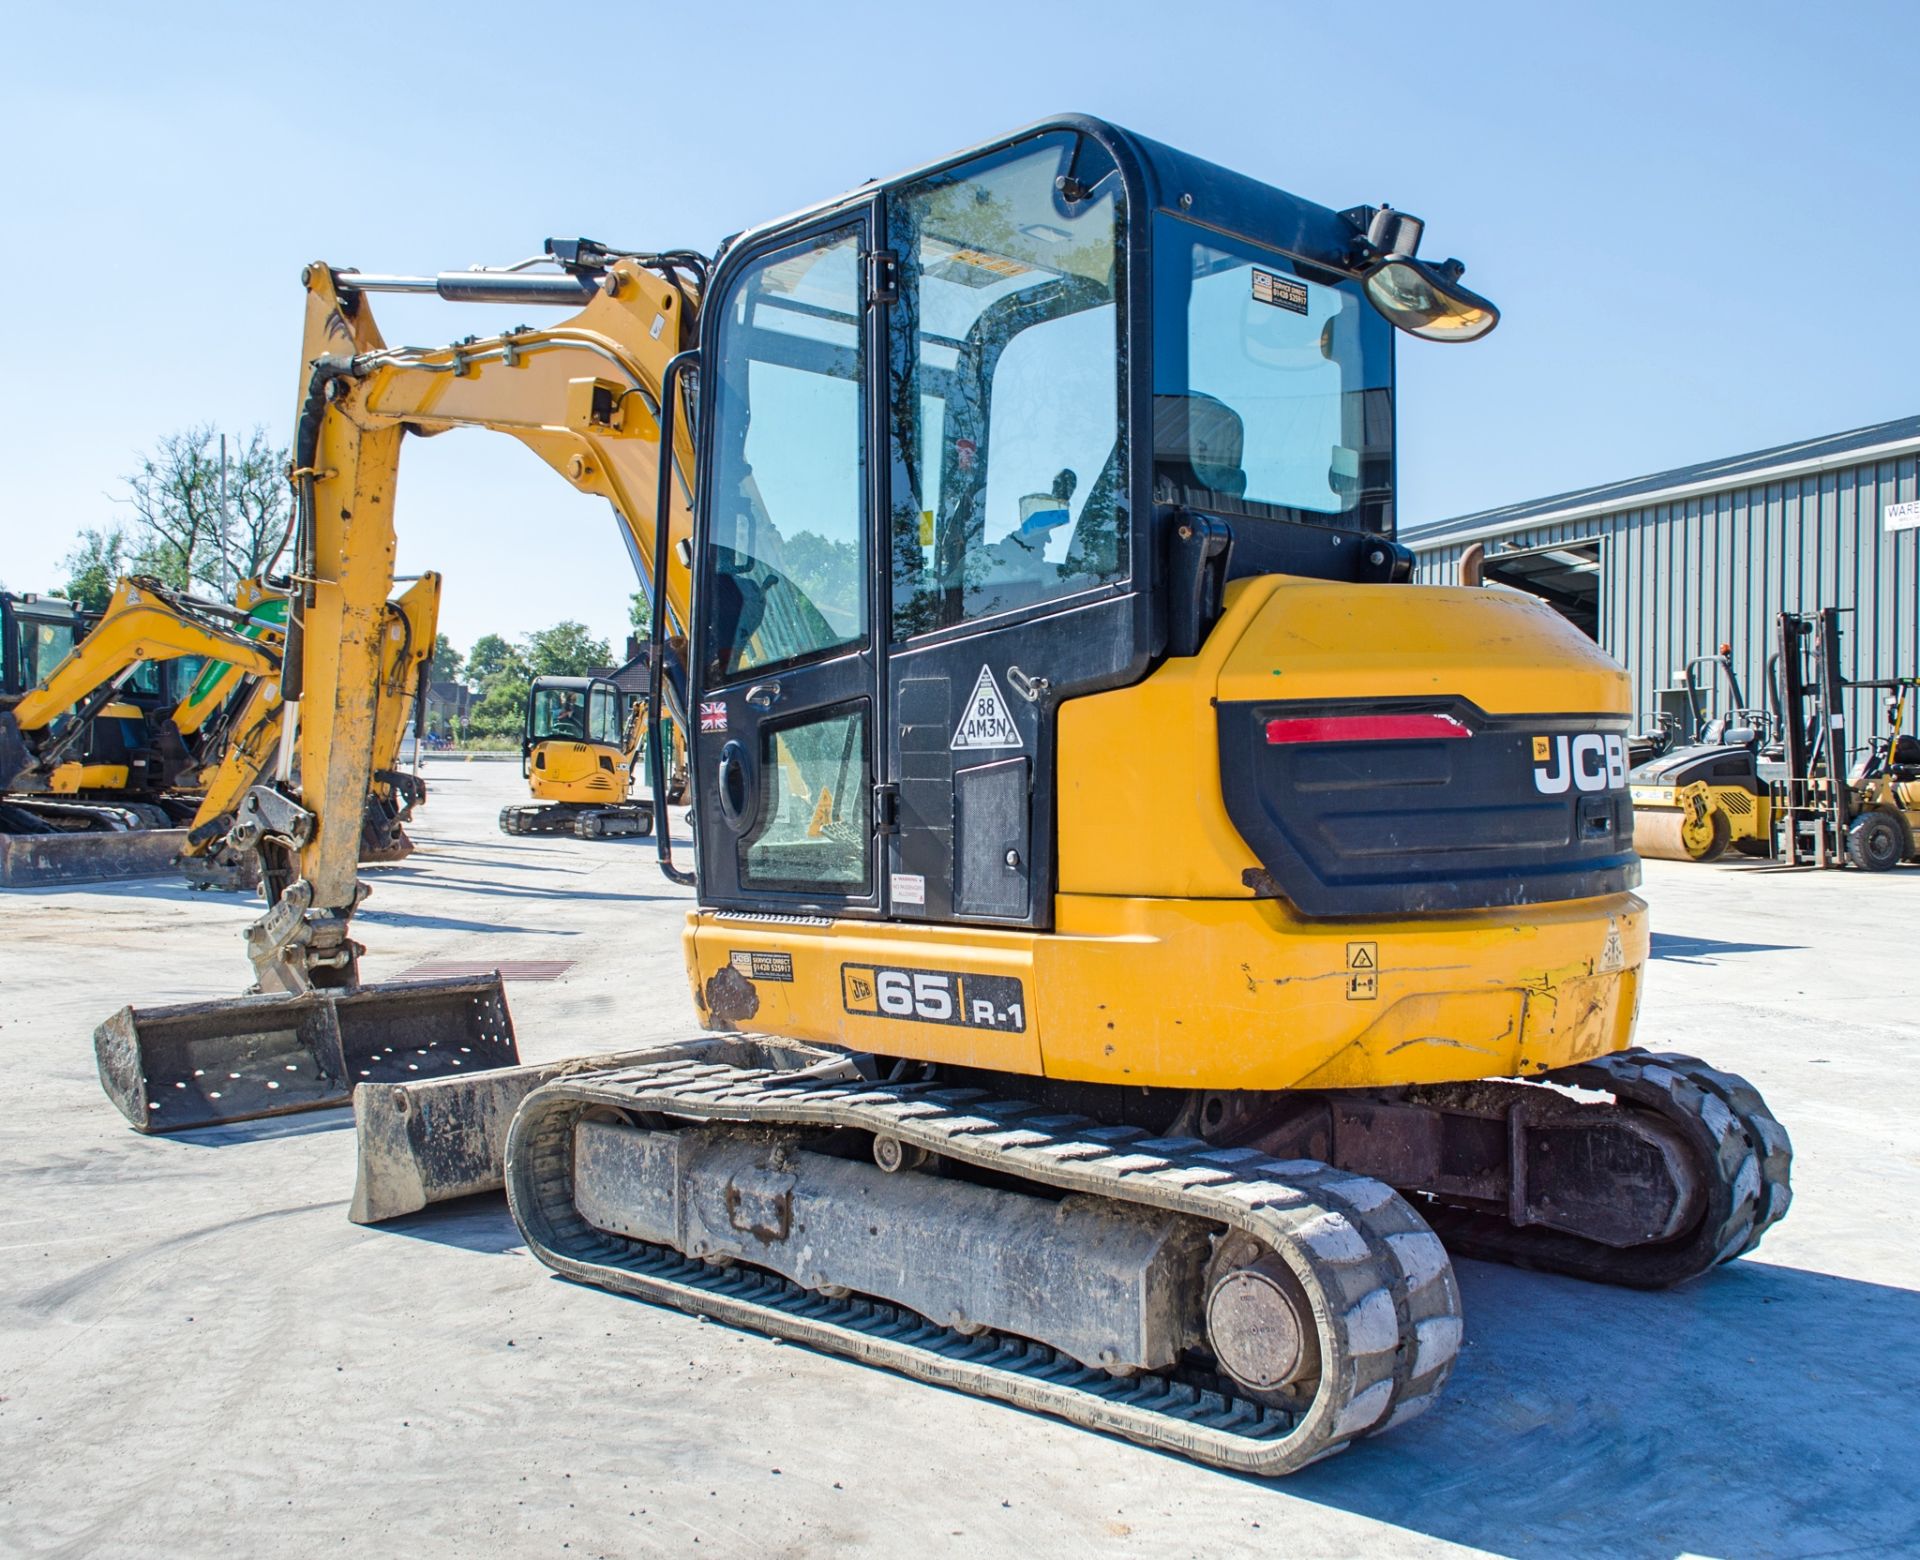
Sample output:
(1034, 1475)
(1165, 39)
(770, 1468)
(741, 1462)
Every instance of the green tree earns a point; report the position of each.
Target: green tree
(94, 566)
(640, 613)
(209, 510)
(492, 658)
(566, 650)
(447, 661)
(501, 711)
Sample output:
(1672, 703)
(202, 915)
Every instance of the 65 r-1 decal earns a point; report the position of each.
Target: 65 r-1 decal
(935, 996)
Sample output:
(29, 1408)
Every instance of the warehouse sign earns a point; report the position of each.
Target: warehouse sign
(1902, 517)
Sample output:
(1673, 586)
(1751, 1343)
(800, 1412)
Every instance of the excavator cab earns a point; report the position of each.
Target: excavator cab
(987, 441)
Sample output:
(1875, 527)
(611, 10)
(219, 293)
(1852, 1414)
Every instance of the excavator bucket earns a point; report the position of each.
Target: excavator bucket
(204, 1064)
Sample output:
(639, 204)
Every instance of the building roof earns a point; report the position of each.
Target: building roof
(630, 678)
(1881, 441)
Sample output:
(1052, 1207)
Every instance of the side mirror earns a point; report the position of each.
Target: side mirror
(1428, 301)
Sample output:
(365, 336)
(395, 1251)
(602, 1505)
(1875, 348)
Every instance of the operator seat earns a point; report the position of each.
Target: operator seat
(1199, 441)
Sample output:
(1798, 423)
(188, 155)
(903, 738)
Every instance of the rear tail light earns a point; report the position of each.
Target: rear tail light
(1364, 728)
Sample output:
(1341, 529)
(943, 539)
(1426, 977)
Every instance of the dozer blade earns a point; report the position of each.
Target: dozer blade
(204, 1064)
(87, 856)
(430, 1140)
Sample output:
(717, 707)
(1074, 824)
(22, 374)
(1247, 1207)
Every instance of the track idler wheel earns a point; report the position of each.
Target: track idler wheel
(1260, 1324)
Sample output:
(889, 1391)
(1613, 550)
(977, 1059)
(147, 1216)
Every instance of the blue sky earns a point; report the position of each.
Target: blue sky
(1699, 220)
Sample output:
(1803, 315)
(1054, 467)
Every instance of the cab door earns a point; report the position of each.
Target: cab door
(786, 696)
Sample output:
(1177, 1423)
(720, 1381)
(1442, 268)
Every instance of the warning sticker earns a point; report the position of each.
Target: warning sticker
(1363, 971)
(756, 965)
(907, 888)
(986, 721)
(1613, 957)
(1283, 292)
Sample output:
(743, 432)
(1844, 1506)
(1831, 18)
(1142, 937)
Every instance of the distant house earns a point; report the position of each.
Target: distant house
(448, 706)
(630, 677)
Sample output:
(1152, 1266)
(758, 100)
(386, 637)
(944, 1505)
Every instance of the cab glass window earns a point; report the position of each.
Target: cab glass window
(787, 552)
(1272, 384)
(1009, 485)
(603, 714)
(559, 712)
(816, 825)
(40, 648)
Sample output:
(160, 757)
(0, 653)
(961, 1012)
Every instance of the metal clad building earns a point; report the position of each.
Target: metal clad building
(1663, 568)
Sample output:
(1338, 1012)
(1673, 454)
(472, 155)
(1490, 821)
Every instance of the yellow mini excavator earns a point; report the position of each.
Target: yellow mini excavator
(219, 850)
(70, 811)
(79, 797)
(577, 754)
(1067, 459)
(581, 749)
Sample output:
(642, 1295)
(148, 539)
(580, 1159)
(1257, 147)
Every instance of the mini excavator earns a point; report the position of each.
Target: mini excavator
(581, 747)
(194, 764)
(220, 846)
(1156, 1106)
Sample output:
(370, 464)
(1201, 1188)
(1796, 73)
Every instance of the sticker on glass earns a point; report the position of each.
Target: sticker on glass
(1283, 292)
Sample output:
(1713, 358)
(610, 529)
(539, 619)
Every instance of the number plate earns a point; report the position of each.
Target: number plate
(935, 996)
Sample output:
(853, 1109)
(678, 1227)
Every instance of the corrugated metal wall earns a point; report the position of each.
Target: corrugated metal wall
(1679, 579)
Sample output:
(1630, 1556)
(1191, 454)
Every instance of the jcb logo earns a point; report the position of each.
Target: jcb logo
(1589, 762)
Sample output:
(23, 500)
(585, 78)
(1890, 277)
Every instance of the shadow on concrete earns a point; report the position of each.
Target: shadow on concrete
(1758, 1411)
(454, 923)
(1704, 950)
(571, 895)
(266, 1129)
(480, 1223)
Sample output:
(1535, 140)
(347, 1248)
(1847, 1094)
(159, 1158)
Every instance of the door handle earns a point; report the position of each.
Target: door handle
(735, 787)
(763, 696)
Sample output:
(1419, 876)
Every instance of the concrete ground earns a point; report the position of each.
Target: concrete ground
(199, 1354)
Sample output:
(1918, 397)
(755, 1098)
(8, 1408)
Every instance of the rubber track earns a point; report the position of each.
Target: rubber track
(554, 819)
(1744, 1151)
(1381, 1286)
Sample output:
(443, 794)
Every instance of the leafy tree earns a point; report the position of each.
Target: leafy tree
(640, 613)
(95, 566)
(447, 661)
(566, 650)
(501, 711)
(492, 658)
(209, 511)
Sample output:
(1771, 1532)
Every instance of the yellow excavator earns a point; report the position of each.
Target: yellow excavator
(81, 799)
(219, 851)
(105, 814)
(1140, 930)
(581, 745)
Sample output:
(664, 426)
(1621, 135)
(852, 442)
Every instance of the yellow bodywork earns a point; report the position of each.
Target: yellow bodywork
(1164, 967)
(74, 779)
(559, 770)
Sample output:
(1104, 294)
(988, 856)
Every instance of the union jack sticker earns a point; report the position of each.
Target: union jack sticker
(713, 715)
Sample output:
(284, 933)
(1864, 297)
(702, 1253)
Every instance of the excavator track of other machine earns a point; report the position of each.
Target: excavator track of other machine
(630, 820)
(1243, 1311)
